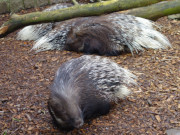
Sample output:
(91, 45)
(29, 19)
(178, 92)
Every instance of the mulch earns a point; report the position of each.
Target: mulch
(152, 108)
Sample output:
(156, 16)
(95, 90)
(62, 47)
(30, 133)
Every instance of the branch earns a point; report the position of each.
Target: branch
(17, 21)
(75, 2)
(156, 11)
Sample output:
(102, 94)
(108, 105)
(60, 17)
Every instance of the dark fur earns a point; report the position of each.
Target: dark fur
(92, 38)
(95, 108)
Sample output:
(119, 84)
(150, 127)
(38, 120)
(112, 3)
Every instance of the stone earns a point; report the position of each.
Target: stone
(58, 1)
(42, 2)
(3, 7)
(29, 3)
(16, 5)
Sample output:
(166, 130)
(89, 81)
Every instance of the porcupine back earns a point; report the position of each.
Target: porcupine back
(107, 77)
(105, 35)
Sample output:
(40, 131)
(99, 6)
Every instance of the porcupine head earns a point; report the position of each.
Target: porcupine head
(89, 38)
(65, 111)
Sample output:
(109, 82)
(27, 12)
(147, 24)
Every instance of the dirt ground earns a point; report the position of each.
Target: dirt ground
(152, 108)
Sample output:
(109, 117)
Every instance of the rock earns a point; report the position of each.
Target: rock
(173, 132)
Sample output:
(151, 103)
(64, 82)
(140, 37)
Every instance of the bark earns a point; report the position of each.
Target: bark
(156, 11)
(174, 17)
(75, 2)
(18, 21)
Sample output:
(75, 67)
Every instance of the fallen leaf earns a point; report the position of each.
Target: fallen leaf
(158, 118)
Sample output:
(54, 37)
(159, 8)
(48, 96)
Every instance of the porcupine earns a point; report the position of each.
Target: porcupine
(109, 34)
(84, 87)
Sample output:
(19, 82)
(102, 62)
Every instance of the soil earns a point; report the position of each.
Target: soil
(152, 108)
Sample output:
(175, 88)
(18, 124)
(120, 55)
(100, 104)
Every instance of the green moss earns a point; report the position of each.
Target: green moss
(3, 0)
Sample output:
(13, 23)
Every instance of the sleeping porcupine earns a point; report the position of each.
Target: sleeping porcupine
(84, 87)
(108, 34)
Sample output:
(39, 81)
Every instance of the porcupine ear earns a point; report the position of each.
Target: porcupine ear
(71, 36)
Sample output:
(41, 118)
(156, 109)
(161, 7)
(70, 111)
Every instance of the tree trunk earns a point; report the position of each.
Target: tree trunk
(156, 11)
(17, 21)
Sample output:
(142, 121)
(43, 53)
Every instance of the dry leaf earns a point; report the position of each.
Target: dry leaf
(158, 118)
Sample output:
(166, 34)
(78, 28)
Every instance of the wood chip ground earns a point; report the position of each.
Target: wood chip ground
(152, 108)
